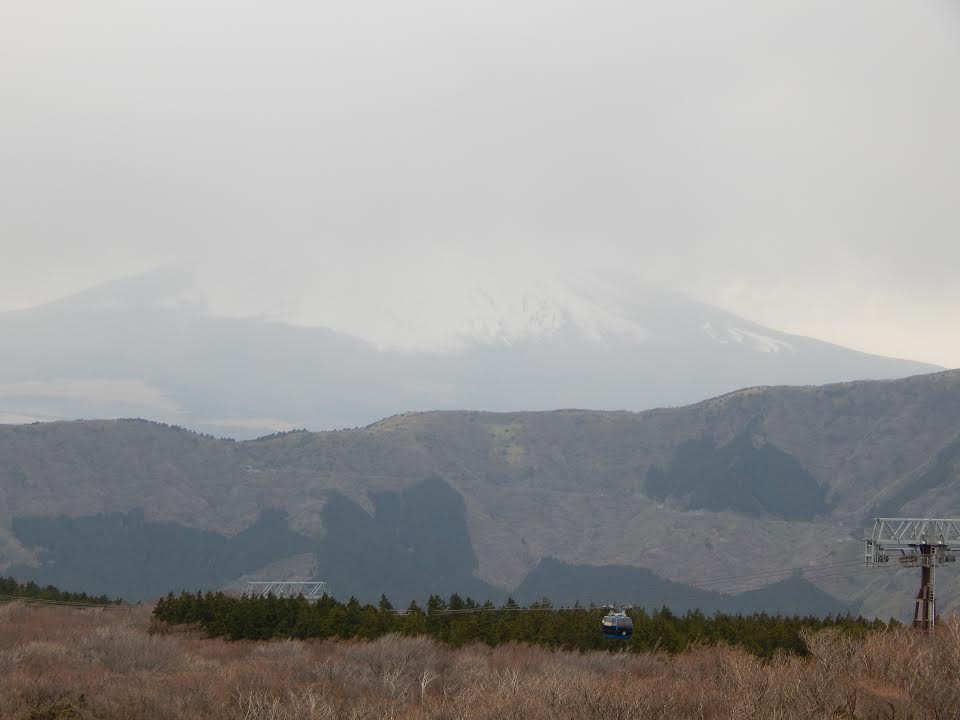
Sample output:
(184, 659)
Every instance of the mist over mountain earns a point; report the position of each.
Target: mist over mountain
(153, 346)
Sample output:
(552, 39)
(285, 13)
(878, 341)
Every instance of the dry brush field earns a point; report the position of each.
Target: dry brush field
(58, 663)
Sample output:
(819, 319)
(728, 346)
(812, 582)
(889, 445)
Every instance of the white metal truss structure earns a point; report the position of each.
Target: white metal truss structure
(906, 535)
(310, 589)
(915, 542)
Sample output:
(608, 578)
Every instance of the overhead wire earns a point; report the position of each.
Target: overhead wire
(760, 580)
(740, 589)
(768, 573)
(746, 585)
(727, 585)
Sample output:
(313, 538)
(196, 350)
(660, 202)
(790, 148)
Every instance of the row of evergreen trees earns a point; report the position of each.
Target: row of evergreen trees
(10, 590)
(458, 621)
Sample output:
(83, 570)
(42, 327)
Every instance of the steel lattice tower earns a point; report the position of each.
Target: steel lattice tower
(310, 589)
(917, 542)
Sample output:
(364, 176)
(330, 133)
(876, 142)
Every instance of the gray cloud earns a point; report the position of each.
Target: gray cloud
(795, 162)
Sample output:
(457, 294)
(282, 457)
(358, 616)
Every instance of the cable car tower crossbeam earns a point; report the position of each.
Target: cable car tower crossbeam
(310, 589)
(920, 542)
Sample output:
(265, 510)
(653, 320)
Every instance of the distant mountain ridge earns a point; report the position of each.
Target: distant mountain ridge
(580, 488)
(145, 347)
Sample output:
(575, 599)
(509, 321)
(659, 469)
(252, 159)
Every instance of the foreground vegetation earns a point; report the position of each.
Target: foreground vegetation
(459, 622)
(59, 663)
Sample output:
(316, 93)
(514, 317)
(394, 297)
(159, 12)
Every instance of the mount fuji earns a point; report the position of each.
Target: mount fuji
(226, 360)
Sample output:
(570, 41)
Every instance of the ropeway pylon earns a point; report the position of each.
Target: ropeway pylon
(917, 542)
(310, 589)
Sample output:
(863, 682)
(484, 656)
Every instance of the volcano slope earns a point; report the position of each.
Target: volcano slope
(726, 496)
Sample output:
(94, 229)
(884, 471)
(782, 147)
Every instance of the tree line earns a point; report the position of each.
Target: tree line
(11, 589)
(457, 621)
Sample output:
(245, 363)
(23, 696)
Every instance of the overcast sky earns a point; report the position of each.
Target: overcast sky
(794, 161)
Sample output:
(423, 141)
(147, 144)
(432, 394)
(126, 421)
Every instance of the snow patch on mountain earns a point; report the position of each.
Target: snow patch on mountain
(761, 343)
(757, 341)
(426, 308)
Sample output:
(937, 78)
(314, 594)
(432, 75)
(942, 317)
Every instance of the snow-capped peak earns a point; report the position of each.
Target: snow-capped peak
(426, 309)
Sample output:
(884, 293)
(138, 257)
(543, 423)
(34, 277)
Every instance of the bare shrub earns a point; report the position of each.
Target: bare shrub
(58, 663)
(289, 657)
(44, 650)
(403, 667)
(123, 649)
(9, 659)
(304, 705)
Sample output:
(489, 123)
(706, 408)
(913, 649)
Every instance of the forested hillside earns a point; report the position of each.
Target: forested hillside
(729, 495)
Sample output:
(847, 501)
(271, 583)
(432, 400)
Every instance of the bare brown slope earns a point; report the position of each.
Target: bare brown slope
(568, 484)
